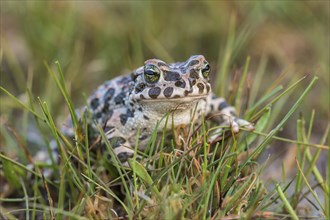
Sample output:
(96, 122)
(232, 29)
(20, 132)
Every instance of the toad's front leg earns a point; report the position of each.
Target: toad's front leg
(120, 145)
(223, 113)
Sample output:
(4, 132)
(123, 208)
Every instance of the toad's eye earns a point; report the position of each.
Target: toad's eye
(206, 70)
(151, 73)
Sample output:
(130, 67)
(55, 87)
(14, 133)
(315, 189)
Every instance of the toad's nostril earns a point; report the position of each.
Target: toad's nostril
(200, 87)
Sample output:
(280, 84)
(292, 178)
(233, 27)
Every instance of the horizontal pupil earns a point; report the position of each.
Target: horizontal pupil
(150, 72)
(206, 68)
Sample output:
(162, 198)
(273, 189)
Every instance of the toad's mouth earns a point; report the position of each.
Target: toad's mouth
(165, 105)
(183, 99)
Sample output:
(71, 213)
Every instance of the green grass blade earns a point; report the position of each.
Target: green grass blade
(223, 71)
(142, 173)
(240, 193)
(258, 77)
(286, 203)
(309, 187)
(260, 126)
(108, 191)
(283, 121)
(21, 103)
(27, 215)
(262, 100)
(241, 83)
(7, 159)
(298, 186)
(51, 124)
(294, 85)
(61, 85)
(61, 194)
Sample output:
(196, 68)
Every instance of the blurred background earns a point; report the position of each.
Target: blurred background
(97, 40)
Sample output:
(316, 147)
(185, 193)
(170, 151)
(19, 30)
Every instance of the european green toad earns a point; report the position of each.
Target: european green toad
(138, 101)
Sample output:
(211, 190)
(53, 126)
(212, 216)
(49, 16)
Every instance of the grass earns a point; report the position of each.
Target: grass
(221, 179)
(198, 180)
